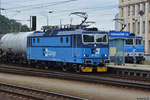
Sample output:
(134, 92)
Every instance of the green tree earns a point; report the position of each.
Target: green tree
(24, 28)
(4, 25)
(7, 26)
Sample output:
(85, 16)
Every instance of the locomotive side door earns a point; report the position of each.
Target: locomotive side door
(74, 46)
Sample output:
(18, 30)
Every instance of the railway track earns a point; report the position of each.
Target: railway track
(34, 94)
(130, 72)
(78, 77)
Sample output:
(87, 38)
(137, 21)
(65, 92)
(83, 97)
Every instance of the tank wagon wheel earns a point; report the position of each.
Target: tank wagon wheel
(46, 67)
(64, 68)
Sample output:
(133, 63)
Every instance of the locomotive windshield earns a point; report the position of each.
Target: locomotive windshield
(129, 42)
(138, 41)
(95, 38)
(101, 38)
(88, 38)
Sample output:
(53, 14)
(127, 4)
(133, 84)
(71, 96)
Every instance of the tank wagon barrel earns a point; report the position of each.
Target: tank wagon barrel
(15, 42)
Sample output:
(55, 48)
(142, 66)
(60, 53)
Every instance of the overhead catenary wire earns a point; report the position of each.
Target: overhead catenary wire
(93, 9)
(64, 11)
(18, 1)
(88, 8)
(39, 6)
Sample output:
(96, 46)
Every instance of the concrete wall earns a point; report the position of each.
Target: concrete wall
(147, 58)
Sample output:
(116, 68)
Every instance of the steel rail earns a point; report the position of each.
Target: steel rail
(78, 77)
(36, 94)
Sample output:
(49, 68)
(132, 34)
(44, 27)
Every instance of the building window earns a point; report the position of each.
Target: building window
(121, 12)
(61, 39)
(138, 27)
(133, 27)
(129, 27)
(144, 8)
(149, 9)
(149, 28)
(138, 8)
(133, 11)
(144, 27)
(128, 10)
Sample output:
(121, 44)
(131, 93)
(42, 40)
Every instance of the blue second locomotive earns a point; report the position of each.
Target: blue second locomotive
(133, 46)
(134, 43)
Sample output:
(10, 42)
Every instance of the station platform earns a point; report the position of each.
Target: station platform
(130, 67)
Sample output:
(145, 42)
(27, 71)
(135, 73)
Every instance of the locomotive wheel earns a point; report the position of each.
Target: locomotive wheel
(78, 68)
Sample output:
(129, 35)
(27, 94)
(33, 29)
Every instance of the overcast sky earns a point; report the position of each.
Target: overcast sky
(100, 11)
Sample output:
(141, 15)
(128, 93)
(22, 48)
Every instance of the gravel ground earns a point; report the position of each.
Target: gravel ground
(4, 96)
(90, 91)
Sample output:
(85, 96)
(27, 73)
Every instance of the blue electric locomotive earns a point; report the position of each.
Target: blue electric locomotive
(134, 43)
(80, 49)
(133, 46)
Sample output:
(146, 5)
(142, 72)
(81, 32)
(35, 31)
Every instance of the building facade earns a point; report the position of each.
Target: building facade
(135, 14)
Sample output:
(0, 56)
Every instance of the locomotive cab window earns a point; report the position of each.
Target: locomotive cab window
(101, 38)
(67, 39)
(95, 38)
(129, 42)
(61, 39)
(38, 40)
(33, 40)
(138, 41)
(89, 38)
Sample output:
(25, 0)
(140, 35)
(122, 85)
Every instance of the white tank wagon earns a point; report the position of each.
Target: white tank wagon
(15, 42)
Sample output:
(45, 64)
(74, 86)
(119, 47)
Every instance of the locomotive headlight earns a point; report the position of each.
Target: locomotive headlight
(104, 55)
(101, 62)
(86, 55)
